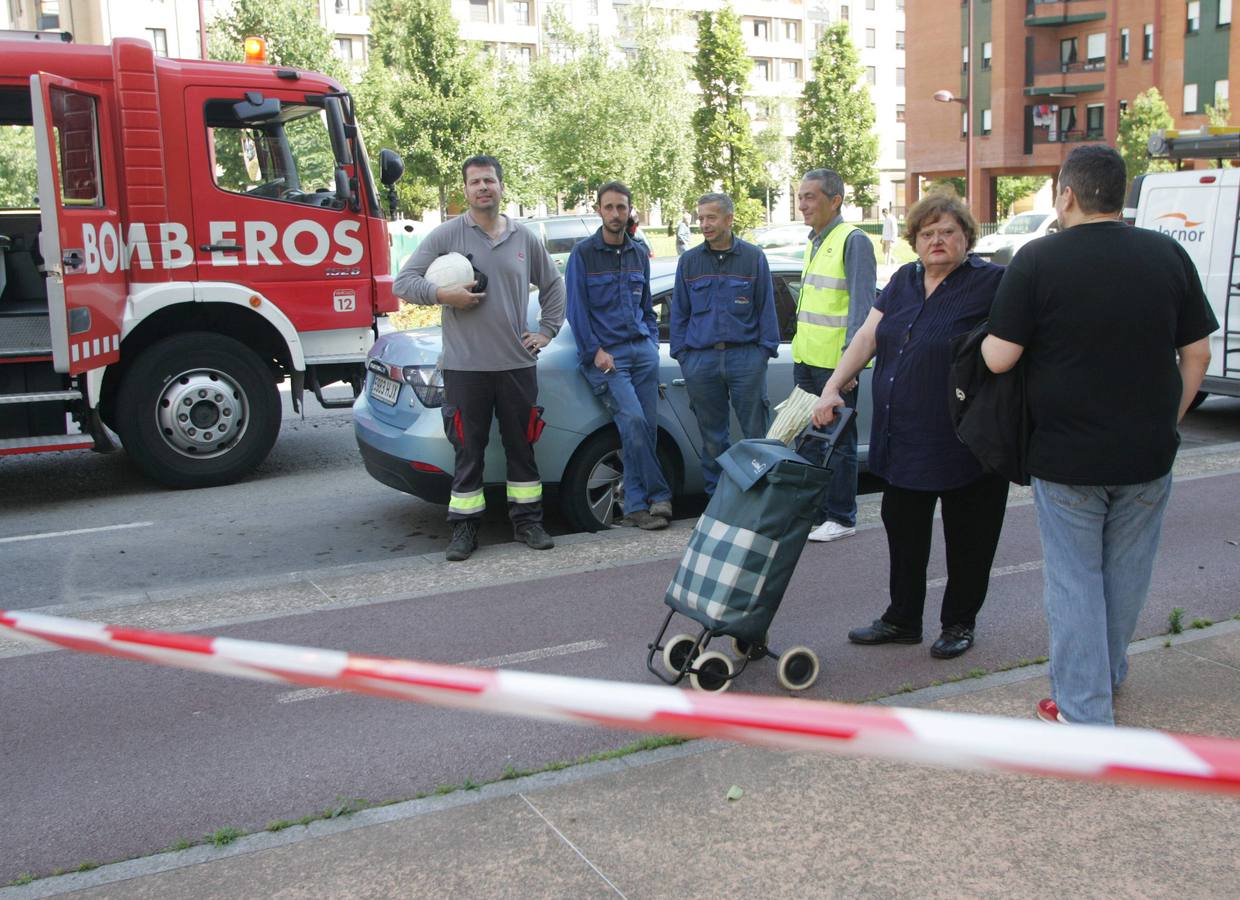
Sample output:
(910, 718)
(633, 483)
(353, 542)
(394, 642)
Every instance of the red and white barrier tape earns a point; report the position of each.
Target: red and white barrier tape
(953, 740)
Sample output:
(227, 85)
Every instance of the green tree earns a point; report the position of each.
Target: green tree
(725, 148)
(664, 165)
(433, 87)
(1220, 113)
(774, 154)
(18, 178)
(291, 28)
(835, 122)
(1147, 114)
(1010, 188)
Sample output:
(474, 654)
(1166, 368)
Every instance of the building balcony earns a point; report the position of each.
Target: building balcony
(1049, 14)
(1043, 136)
(1055, 67)
(1053, 90)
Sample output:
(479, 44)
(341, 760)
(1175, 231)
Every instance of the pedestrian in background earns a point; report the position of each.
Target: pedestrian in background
(683, 235)
(724, 331)
(1114, 329)
(489, 357)
(837, 293)
(617, 334)
(890, 231)
(913, 446)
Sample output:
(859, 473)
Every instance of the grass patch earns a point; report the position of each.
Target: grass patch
(24, 878)
(1167, 642)
(1201, 623)
(975, 673)
(182, 844)
(280, 824)
(906, 688)
(87, 866)
(224, 836)
(1175, 621)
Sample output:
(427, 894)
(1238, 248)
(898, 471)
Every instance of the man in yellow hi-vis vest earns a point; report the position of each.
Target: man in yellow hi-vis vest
(837, 291)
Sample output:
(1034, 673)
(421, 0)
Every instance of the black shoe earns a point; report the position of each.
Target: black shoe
(881, 632)
(954, 640)
(535, 536)
(464, 541)
(662, 509)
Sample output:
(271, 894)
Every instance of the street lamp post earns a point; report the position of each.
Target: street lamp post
(949, 97)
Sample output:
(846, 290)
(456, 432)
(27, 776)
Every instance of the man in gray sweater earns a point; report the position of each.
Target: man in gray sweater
(489, 356)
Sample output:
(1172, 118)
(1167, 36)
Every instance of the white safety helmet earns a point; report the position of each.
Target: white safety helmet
(450, 270)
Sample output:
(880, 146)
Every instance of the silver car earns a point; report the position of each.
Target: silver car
(399, 427)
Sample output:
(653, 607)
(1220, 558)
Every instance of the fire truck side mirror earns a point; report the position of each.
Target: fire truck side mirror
(391, 167)
(335, 129)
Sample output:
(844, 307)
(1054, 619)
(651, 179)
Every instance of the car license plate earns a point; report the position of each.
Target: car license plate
(385, 390)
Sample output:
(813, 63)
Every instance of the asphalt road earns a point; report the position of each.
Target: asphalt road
(311, 505)
(104, 759)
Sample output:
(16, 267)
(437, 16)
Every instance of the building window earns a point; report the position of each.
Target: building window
(1194, 17)
(871, 37)
(48, 18)
(899, 78)
(899, 112)
(159, 40)
(592, 7)
(1147, 42)
(899, 4)
(761, 70)
(344, 49)
(519, 12)
(1094, 121)
(523, 55)
(792, 31)
(792, 69)
(1220, 91)
(964, 59)
(760, 29)
(1224, 12)
(869, 4)
(899, 40)
(479, 10)
(1067, 53)
(1096, 50)
(986, 121)
(871, 75)
(844, 13)
(964, 123)
(900, 150)
(986, 49)
(1067, 121)
(1190, 98)
(1123, 45)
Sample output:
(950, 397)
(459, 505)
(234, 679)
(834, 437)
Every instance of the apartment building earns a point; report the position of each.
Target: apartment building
(1049, 75)
(173, 27)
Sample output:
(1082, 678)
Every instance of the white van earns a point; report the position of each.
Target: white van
(1200, 208)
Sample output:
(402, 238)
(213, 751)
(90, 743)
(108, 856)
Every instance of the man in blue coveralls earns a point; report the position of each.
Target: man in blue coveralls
(617, 334)
(724, 331)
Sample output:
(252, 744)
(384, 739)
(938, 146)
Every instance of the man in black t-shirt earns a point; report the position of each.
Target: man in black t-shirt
(1114, 329)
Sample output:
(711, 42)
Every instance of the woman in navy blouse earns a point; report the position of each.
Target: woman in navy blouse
(913, 446)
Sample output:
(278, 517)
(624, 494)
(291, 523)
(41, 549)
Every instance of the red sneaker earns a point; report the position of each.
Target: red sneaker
(1048, 711)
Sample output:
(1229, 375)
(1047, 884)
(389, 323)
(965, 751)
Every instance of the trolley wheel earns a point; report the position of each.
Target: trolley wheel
(745, 650)
(713, 672)
(798, 668)
(677, 651)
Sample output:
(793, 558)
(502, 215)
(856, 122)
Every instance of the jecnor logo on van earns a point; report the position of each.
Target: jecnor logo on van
(1189, 233)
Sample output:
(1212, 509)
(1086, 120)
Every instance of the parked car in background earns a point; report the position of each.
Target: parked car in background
(1019, 230)
(398, 419)
(788, 239)
(559, 234)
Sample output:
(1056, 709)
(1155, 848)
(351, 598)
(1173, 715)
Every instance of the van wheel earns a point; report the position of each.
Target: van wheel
(197, 410)
(592, 486)
(1198, 400)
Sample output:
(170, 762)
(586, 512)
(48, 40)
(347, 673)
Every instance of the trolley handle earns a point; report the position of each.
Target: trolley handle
(842, 418)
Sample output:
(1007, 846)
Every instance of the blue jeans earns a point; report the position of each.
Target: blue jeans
(840, 503)
(1098, 543)
(631, 394)
(713, 378)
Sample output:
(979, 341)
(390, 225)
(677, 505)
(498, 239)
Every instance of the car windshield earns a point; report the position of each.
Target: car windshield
(1025, 223)
(779, 237)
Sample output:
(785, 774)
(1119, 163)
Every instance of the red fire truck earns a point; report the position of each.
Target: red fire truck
(194, 234)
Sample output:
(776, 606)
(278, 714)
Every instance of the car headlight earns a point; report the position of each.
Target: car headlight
(427, 383)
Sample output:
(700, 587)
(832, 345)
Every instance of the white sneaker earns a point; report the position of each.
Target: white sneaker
(831, 531)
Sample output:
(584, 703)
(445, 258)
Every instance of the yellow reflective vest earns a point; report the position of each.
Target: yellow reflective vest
(822, 308)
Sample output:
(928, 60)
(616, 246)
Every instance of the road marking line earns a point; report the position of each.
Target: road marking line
(996, 573)
(491, 662)
(56, 534)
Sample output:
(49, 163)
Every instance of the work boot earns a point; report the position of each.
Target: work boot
(464, 540)
(535, 536)
(641, 518)
(662, 509)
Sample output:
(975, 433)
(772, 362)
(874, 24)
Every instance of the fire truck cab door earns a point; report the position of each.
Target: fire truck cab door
(80, 240)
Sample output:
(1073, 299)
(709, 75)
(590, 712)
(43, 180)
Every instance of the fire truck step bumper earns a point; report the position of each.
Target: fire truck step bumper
(41, 397)
(11, 446)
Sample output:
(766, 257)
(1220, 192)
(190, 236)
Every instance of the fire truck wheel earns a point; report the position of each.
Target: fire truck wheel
(197, 410)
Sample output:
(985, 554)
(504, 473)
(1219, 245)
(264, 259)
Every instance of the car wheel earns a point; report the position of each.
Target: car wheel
(592, 487)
